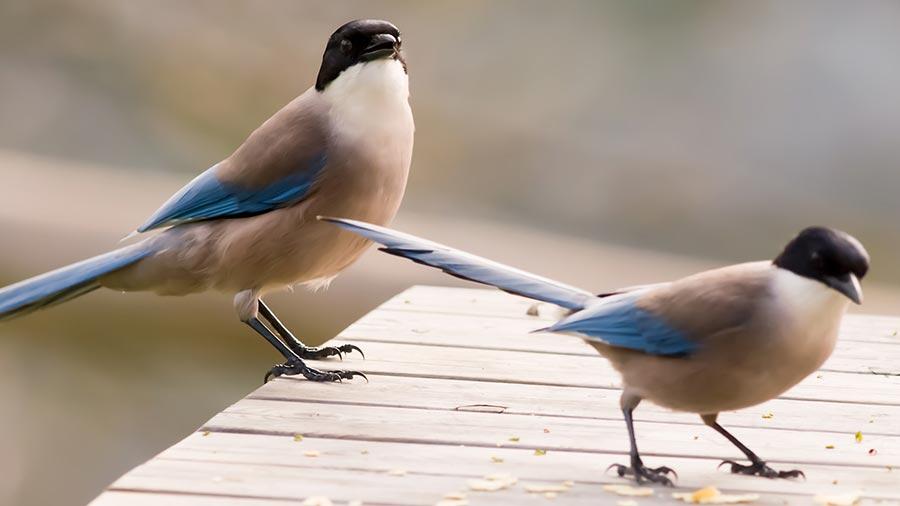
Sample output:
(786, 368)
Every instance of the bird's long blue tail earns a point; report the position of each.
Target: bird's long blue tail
(65, 283)
(467, 266)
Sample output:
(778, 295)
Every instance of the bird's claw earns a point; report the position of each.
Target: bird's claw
(761, 469)
(328, 351)
(295, 367)
(642, 473)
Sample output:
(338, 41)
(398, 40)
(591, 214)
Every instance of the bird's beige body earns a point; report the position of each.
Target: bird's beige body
(364, 123)
(764, 345)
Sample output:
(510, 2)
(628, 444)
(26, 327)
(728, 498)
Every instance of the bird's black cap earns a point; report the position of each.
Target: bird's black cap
(355, 42)
(827, 255)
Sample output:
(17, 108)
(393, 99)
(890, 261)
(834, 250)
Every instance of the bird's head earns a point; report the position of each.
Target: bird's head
(358, 43)
(830, 256)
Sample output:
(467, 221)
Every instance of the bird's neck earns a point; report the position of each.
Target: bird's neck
(376, 85)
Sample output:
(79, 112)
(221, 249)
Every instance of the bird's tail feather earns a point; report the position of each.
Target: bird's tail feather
(65, 283)
(467, 266)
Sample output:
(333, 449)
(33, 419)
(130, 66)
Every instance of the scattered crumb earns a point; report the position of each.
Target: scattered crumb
(205, 433)
(829, 447)
(452, 502)
(818, 376)
(858, 436)
(539, 452)
(696, 438)
(569, 483)
(546, 431)
(364, 452)
(873, 451)
(312, 453)
(550, 495)
(459, 496)
(397, 472)
(420, 331)
(533, 310)
(298, 437)
(834, 482)
(514, 439)
(768, 414)
(317, 500)
(496, 460)
(542, 489)
(628, 490)
(493, 482)
(627, 502)
(407, 301)
(837, 499)
(711, 495)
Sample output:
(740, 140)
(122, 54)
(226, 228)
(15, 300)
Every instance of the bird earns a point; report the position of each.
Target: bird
(247, 225)
(719, 340)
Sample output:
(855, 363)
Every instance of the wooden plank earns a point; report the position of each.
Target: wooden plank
(155, 498)
(474, 302)
(580, 371)
(455, 375)
(556, 401)
(249, 461)
(497, 333)
(598, 435)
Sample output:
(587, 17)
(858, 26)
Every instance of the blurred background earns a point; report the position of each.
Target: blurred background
(601, 143)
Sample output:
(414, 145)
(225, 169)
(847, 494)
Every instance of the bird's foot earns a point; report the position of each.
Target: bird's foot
(294, 367)
(642, 473)
(760, 468)
(321, 352)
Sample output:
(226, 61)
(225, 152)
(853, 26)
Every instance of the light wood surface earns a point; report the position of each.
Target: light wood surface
(460, 389)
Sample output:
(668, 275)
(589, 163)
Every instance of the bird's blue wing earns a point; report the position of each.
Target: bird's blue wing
(619, 321)
(209, 197)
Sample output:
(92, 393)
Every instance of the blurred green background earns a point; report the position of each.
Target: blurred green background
(603, 143)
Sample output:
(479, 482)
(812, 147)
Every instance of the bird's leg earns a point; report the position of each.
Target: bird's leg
(297, 346)
(637, 469)
(293, 364)
(758, 466)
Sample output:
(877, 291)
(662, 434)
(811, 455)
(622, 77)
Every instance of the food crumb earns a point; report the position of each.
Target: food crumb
(496, 460)
(546, 431)
(364, 452)
(829, 447)
(712, 495)
(205, 433)
(312, 453)
(539, 452)
(459, 496)
(397, 472)
(858, 436)
(493, 482)
(514, 439)
(569, 483)
(533, 310)
(768, 414)
(837, 500)
(317, 500)
(550, 495)
(298, 437)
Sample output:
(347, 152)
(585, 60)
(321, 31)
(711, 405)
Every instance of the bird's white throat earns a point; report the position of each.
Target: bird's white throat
(370, 97)
(806, 298)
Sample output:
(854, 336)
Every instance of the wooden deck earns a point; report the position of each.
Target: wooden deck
(459, 390)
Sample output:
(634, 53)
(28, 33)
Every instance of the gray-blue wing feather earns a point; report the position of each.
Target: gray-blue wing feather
(467, 266)
(208, 197)
(619, 320)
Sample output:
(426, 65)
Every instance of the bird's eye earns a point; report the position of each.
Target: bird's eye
(346, 46)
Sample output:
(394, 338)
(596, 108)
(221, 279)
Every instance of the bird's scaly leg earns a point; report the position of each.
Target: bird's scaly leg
(758, 466)
(294, 364)
(297, 346)
(637, 469)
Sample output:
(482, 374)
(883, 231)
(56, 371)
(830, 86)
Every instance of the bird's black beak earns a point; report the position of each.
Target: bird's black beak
(383, 45)
(847, 285)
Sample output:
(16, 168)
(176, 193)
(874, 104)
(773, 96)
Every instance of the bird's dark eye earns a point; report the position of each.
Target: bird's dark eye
(346, 46)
